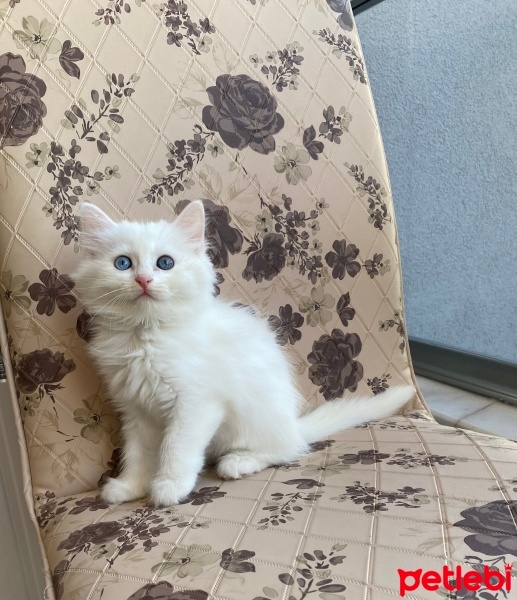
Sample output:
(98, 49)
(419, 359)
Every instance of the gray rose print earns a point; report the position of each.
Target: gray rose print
(243, 112)
(223, 238)
(333, 365)
(344, 8)
(494, 535)
(22, 109)
(492, 527)
(266, 258)
(82, 540)
(163, 590)
(110, 539)
(96, 533)
(42, 371)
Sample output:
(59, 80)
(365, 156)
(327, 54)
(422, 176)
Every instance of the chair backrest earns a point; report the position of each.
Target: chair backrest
(261, 108)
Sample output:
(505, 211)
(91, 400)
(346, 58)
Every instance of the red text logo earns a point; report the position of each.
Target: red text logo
(455, 579)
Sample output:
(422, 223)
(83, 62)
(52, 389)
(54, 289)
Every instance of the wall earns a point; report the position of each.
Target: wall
(444, 79)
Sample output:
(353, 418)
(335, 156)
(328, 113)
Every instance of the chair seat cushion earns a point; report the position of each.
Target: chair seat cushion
(402, 493)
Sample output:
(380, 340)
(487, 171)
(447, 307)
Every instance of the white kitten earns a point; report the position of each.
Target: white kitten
(193, 377)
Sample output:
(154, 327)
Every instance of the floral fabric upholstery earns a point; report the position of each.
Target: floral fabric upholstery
(263, 109)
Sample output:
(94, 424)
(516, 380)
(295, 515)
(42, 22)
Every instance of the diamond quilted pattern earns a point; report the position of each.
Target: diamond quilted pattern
(262, 108)
(349, 515)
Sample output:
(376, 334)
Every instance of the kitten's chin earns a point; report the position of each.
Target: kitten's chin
(155, 307)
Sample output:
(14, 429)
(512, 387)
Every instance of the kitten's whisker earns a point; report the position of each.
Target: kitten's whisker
(123, 301)
(84, 305)
(105, 305)
(121, 289)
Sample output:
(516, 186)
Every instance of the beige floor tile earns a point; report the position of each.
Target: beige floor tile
(449, 404)
(498, 418)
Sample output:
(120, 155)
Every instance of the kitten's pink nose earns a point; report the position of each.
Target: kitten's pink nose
(143, 280)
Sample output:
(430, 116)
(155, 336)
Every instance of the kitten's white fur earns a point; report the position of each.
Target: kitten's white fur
(193, 377)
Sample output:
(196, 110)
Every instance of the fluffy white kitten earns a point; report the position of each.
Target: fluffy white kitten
(194, 378)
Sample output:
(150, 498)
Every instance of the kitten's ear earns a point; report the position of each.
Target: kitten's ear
(93, 225)
(192, 222)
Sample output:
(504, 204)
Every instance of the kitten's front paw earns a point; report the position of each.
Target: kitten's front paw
(235, 465)
(166, 492)
(116, 491)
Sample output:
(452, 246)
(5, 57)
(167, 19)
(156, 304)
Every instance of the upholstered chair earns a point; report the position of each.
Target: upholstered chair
(264, 110)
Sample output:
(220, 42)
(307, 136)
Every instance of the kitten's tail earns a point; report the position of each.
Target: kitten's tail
(333, 416)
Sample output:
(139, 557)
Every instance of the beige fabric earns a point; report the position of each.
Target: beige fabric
(399, 494)
(264, 110)
(348, 282)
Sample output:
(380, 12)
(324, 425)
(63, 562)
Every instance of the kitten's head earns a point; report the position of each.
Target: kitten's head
(136, 273)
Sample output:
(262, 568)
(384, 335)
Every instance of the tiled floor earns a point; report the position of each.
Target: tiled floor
(459, 408)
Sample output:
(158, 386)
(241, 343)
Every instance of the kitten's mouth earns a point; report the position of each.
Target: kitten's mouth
(145, 294)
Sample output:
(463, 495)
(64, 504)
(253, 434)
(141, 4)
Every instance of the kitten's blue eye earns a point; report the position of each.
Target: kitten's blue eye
(122, 263)
(165, 263)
